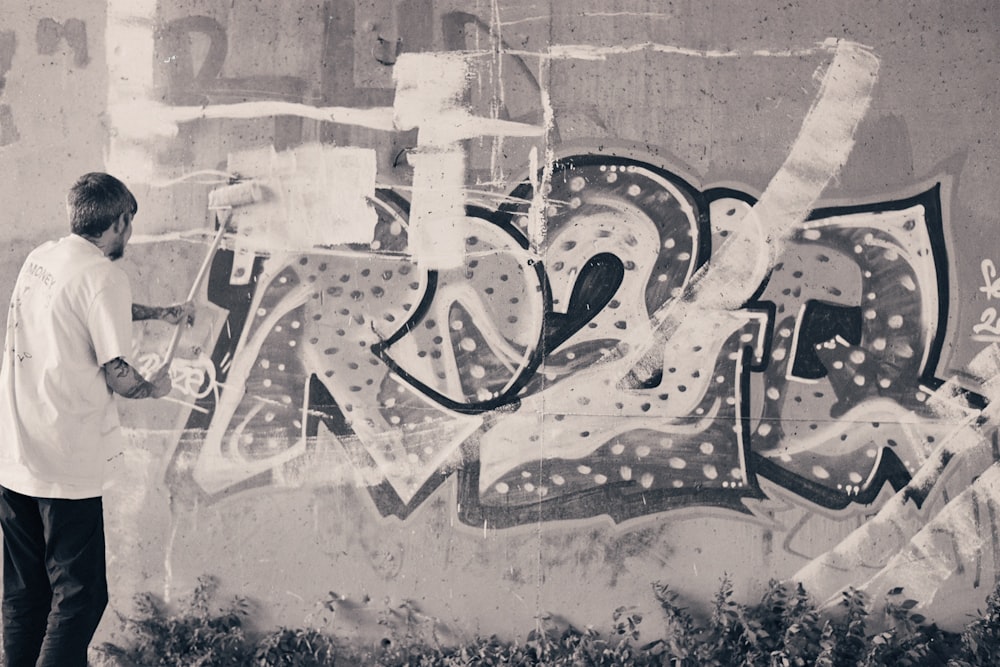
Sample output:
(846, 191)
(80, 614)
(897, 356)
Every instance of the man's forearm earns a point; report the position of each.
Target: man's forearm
(141, 312)
(126, 381)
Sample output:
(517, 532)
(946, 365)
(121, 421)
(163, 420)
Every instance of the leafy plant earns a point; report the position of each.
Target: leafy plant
(199, 636)
(783, 630)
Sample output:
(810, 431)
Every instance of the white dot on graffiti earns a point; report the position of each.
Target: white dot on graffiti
(642, 450)
(858, 249)
(662, 278)
(261, 312)
(820, 472)
(921, 396)
(678, 483)
(764, 429)
(267, 382)
(710, 471)
(264, 363)
(600, 479)
(281, 367)
(857, 357)
(838, 364)
(730, 400)
(684, 256)
(746, 338)
(467, 344)
(870, 452)
(296, 324)
(646, 480)
(859, 380)
(269, 416)
(477, 371)
(706, 448)
(879, 344)
(667, 443)
(891, 255)
(870, 296)
(278, 328)
(677, 463)
(669, 243)
(779, 354)
(625, 472)
(292, 343)
(456, 325)
(634, 190)
(896, 322)
(577, 183)
(885, 383)
(584, 470)
(736, 473)
(575, 202)
(907, 282)
(558, 480)
(502, 488)
(526, 474)
(773, 393)
(283, 279)
(784, 332)
(611, 177)
(869, 237)
(394, 420)
(855, 477)
(870, 314)
(529, 487)
(247, 438)
(720, 378)
(811, 234)
(617, 448)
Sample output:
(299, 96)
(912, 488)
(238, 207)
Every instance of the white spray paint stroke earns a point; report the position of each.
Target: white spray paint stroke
(129, 44)
(430, 88)
(820, 151)
(145, 118)
(590, 52)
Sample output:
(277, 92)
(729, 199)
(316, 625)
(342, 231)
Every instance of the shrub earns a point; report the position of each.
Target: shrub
(783, 630)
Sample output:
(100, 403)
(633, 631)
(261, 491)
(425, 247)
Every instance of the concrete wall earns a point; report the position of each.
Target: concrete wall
(538, 303)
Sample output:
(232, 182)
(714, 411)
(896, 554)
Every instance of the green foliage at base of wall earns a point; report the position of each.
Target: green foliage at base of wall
(784, 629)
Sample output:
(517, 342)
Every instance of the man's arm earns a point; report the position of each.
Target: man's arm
(174, 314)
(126, 381)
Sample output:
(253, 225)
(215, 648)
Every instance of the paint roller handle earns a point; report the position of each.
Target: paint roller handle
(199, 278)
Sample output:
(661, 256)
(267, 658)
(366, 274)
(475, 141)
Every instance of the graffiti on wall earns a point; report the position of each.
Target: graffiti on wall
(50, 36)
(604, 337)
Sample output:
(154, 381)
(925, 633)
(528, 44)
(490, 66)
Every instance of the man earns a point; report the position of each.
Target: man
(68, 332)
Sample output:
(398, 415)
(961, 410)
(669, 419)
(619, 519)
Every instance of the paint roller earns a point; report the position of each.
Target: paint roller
(222, 201)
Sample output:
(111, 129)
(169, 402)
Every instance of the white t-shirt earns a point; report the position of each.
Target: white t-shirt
(70, 313)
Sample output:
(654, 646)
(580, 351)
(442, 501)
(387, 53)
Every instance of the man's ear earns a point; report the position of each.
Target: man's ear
(123, 221)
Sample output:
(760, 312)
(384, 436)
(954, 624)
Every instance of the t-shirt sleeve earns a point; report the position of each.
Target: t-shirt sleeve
(110, 320)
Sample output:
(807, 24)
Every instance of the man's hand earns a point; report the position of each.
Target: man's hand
(177, 313)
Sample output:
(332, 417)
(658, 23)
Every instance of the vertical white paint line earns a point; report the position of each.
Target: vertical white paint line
(429, 91)
(537, 230)
(816, 157)
(129, 50)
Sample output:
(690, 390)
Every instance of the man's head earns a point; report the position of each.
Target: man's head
(101, 209)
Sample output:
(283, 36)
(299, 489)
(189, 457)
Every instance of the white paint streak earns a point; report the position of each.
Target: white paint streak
(129, 44)
(590, 52)
(821, 149)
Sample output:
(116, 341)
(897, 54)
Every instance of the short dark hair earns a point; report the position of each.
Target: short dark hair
(95, 201)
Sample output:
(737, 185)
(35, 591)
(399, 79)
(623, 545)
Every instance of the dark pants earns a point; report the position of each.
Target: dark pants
(55, 584)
